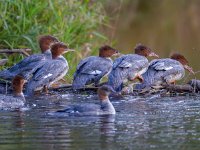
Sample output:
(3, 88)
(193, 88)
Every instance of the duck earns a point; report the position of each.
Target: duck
(29, 64)
(53, 70)
(93, 68)
(104, 108)
(17, 100)
(130, 67)
(166, 70)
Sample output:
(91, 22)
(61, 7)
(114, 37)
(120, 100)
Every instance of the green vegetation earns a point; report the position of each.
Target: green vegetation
(75, 22)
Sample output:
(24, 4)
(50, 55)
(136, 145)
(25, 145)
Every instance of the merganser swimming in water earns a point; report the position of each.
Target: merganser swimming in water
(104, 108)
(92, 69)
(129, 67)
(29, 64)
(166, 70)
(17, 100)
(52, 71)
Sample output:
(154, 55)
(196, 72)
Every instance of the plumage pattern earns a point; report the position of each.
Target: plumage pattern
(26, 67)
(91, 70)
(52, 71)
(126, 68)
(162, 71)
(104, 108)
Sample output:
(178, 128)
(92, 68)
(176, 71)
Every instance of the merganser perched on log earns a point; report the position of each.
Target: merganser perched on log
(30, 64)
(129, 67)
(17, 100)
(52, 71)
(92, 69)
(104, 108)
(166, 70)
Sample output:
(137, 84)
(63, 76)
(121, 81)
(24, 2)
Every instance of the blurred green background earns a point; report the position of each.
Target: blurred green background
(163, 25)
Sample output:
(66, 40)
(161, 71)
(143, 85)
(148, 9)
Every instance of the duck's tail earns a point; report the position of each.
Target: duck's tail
(33, 86)
(80, 81)
(149, 78)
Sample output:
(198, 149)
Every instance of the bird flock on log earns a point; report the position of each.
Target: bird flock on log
(38, 72)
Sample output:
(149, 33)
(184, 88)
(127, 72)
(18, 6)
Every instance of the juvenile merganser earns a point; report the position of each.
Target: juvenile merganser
(166, 70)
(17, 100)
(129, 67)
(92, 69)
(105, 107)
(52, 71)
(28, 65)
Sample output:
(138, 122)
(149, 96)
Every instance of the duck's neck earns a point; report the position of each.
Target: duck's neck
(107, 106)
(109, 58)
(56, 56)
(141, 54)
(48, 53)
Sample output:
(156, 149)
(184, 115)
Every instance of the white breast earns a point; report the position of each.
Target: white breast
(95, 72)
(47, 75)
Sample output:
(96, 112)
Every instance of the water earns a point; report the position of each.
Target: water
(153, 123)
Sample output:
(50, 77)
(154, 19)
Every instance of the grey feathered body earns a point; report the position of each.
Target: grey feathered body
(52, 71)
(9, 102)
(125, 68)
(162, 71)
(105, 108)
(27, 66)
(91, 70)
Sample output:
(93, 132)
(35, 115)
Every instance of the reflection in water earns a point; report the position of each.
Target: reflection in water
(140, 123)
(107, 126)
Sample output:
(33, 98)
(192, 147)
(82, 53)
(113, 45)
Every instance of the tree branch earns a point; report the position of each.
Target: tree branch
(22, 51)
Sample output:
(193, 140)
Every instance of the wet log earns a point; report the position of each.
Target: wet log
(179, 88)
(164, 90)
(68, 87)
(22, 51)
(167, 89)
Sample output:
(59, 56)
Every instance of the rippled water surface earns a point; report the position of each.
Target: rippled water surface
(140, 123)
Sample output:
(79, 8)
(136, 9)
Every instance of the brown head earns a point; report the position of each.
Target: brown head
(58, 49)
(144, 51)
(182, 60)
(104, 91)
(107, 51)
(45, 42)
(17, 85)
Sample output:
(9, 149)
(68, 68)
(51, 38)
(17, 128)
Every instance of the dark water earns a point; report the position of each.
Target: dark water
(153, 123)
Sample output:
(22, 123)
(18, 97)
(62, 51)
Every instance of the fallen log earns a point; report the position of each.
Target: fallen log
(192, 87)
(68, 87)
(179, 88)
(22, 51)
